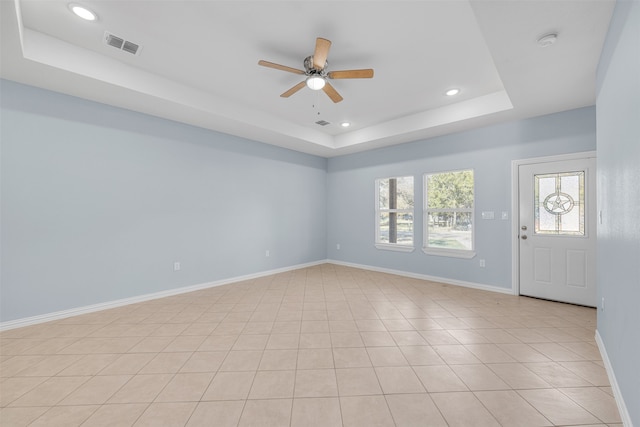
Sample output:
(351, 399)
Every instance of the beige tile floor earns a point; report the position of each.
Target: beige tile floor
(321, 346)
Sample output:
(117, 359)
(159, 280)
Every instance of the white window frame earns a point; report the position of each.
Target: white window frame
(393, 246)
(454, 253)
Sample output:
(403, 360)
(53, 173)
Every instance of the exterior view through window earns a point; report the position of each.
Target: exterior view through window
(448, 213)
(394, 212)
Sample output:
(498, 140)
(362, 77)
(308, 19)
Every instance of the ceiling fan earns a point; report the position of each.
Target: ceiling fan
(315, 68)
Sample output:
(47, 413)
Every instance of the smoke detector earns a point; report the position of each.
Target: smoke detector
(547, 40)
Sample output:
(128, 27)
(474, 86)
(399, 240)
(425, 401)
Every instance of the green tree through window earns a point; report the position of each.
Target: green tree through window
(449, 199)
(394, 211)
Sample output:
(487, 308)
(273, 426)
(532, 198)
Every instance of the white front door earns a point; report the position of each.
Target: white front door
(557, 230)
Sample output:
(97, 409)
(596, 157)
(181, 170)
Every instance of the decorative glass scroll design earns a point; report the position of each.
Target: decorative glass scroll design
(559, 203)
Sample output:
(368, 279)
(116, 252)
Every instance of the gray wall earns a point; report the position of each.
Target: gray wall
(618, 122)
(489, 151)
(98, 203)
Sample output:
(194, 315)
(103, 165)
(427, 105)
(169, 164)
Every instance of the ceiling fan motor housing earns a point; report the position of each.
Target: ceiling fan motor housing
(311, 70)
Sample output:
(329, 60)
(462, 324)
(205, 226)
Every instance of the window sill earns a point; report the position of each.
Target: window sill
(452, 253)
(395, 248)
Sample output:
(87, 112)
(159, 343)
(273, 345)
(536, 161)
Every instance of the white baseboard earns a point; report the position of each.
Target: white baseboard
(448, 281)
(27, 321)
(617, 394)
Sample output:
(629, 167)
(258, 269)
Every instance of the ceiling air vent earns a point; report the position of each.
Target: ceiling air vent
(322, 122)
(121, 44)
(130, 47)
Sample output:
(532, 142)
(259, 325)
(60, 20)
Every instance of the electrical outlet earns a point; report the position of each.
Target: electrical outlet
(338, 246)
(266, 253)
(602, 305)
(176, 266)
(482, 263)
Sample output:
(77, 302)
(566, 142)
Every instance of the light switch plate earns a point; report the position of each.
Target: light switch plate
(487, 215)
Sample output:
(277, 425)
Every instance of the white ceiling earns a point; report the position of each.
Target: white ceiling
(198, 63)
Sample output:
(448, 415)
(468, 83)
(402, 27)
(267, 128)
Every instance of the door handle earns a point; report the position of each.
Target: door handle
(523, 237)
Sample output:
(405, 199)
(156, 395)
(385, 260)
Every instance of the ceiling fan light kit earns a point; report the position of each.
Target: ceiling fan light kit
(315, 82)
(315, 68)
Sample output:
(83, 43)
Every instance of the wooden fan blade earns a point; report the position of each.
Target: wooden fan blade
(321, 53)
(279, 67)
(294, 89)
(351, 74)
(332, 93)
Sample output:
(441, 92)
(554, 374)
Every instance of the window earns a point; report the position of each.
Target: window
(448, 214)
(394, 213)
(559, 204)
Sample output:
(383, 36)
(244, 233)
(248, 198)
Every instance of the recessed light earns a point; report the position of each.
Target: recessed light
(547, 40)
(83, 12)
(452, 92)
(345, 124)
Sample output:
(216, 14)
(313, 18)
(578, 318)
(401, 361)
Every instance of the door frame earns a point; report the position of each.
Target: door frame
(515, 206)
